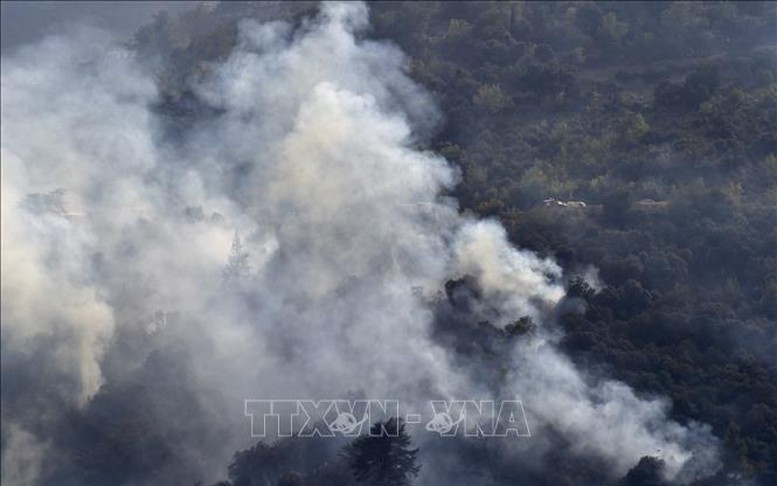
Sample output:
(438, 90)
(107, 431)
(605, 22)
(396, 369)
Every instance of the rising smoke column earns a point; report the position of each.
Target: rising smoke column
(310, 157)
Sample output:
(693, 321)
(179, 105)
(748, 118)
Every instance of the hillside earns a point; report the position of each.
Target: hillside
(662, 117)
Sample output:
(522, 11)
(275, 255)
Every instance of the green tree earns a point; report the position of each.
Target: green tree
(491, 98)
(257, 466)
(291, 479)
(381, 459)
(617, 208)
(612, 29)
(646, 473)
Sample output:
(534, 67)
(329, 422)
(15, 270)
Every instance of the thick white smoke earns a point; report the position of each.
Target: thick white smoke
(310, 157)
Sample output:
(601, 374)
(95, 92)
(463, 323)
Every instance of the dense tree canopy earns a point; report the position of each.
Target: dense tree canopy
(662, 118)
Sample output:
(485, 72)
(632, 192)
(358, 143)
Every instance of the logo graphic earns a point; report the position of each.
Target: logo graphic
(442, 423)
(346, 423)
(338, 418)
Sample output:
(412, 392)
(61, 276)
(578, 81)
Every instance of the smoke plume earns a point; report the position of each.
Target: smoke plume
(116, 229)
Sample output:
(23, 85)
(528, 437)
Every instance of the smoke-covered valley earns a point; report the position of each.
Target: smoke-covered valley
(290, 236)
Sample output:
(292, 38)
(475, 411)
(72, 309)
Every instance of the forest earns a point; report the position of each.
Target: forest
(662, 118)
(633, 143)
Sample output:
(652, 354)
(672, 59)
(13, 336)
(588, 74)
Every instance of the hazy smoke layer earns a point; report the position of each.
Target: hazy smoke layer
(308, 155)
